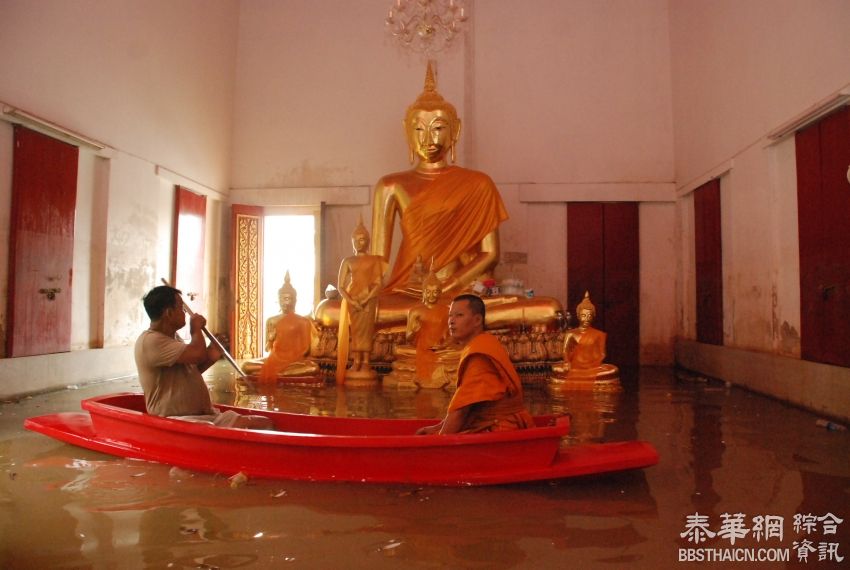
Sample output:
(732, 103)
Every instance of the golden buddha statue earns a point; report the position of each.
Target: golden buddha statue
(359, 282)
(446, 213)
(584, 352)
(288, 338)
(429, 357)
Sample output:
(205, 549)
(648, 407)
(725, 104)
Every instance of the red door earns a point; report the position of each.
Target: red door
(823, 205)
(709, 270)
(246, 230)
(41, 240)
(603, 258)
(187, 259)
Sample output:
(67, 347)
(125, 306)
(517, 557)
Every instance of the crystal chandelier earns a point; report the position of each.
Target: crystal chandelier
(426, 26)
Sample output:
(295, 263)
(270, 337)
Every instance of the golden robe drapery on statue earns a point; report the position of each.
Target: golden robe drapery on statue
(449, 216)
(291, 343)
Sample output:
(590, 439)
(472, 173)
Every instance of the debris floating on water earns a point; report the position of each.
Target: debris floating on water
(238, 480)
(831, 426)
(177, 473)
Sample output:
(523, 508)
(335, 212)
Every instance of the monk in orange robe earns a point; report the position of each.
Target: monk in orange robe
(489, 390)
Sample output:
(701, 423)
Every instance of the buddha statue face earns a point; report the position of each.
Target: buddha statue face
(431, 294)
(431, 124)
(431, 134)
(287, 302)
(360, 241)
(286, 296)
(586, 311)
(360, 237)
(585, 317)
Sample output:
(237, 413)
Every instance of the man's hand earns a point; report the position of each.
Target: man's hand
(428, 430)
(196, 323)
(214, 353)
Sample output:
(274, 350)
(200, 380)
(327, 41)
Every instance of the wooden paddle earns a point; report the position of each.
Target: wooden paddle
(212, 337)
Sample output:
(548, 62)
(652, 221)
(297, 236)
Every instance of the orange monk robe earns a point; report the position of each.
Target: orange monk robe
(489, 383)
(450, 215)
(433, 324)
(291, 343)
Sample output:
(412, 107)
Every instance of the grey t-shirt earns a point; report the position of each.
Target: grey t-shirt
(171, 389)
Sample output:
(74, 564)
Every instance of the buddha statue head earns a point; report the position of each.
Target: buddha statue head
(287, 296)
(360, 237)
(432, 288)
(431, 125)
(586, 311)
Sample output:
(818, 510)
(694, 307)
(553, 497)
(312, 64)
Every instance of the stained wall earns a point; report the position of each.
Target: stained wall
(153, 82)
(742, 72)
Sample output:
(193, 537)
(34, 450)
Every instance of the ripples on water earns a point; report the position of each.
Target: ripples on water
(721, 449)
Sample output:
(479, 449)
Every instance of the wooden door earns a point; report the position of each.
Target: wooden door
(41, 244)
(603, 258)
(709, 269)
(622, 282)
(187, 253)
(823, 203)
(586, 257)
(246, 336)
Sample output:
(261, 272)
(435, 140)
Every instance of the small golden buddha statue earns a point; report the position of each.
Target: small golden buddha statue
(446, 213)
(584, 351)
(288, 338)
(417, 274)
(428, 358)
(359, 282)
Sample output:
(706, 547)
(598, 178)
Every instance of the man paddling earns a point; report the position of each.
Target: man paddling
(170, 370)
(489, 390)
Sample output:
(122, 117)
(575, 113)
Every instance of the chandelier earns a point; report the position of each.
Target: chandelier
(426, 26)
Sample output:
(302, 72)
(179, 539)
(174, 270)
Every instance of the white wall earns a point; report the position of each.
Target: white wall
(575, 91)
(741, 68)
(153, 78)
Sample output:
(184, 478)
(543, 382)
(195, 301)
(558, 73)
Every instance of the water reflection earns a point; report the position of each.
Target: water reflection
(721, 450)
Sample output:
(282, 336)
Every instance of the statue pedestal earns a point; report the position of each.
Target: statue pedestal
(604, 378)
(361, 378)
(404, 375)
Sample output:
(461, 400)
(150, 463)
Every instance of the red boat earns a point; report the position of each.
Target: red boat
(321, 448)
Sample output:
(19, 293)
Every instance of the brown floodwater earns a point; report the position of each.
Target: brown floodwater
(723, 451)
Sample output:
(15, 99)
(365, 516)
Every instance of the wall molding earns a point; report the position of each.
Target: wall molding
(597, 192)
(810, 115)
(715, 172)
(302, 196)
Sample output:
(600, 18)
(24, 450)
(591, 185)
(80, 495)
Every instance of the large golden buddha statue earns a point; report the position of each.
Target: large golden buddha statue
(446, 213)
(584, 353)
(429, 357)
(288, 337)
